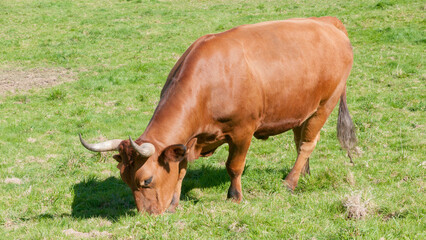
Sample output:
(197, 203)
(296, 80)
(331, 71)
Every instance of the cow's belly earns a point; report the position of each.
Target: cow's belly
(274, 128)
(276, 125)
(281, 116)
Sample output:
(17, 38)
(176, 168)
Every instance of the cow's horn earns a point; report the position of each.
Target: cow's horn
(146, 149)
(110, 145)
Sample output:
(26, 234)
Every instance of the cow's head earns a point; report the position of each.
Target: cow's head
(154, 176)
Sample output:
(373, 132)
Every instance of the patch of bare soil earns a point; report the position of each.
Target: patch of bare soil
(14, 80)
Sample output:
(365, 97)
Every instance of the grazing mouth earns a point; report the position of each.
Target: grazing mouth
(173, 204)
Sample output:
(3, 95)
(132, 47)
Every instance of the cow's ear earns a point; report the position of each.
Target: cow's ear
(174, 153)
(117, 157)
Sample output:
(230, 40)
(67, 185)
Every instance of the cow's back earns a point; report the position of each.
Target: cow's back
(285, 70)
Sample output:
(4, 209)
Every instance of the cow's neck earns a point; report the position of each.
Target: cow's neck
(175, 120)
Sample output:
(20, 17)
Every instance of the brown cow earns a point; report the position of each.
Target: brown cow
(262, 80)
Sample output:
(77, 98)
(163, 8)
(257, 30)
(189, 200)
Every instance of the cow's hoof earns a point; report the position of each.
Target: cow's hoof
(234, 195)
(290, 187)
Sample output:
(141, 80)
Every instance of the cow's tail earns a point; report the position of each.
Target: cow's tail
(345, 127)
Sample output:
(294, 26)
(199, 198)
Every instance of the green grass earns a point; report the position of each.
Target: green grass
(121, 53)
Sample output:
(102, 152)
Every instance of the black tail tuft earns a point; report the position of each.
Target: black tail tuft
(345, 127)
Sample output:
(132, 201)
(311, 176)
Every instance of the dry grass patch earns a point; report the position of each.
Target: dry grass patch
(237, 227)
(92, 234)
(13, 180)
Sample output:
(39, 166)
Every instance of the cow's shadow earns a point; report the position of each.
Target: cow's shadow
(202, 177)
(111, 198)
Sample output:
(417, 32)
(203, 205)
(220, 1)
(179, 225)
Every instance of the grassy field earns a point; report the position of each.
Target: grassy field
(119, 54)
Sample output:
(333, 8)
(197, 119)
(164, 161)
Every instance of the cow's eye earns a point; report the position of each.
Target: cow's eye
(147, 181)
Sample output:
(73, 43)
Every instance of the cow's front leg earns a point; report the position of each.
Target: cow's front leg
(235, 166)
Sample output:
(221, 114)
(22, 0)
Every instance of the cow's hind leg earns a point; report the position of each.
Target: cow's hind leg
(235, 165)
(309, 136)
(297, 137)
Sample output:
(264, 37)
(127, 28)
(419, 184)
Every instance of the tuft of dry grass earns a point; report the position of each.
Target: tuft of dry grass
(350, 179)
(358, 206)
